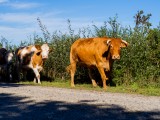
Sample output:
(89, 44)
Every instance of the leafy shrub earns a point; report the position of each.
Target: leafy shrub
(140, 61)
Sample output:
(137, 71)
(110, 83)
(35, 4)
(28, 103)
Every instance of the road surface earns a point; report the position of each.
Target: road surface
(24, 102)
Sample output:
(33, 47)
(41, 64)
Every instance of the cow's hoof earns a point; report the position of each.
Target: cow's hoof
(104, 88)
(94, 85)
(72, 86)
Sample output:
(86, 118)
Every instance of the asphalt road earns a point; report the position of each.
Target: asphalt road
(23, 102)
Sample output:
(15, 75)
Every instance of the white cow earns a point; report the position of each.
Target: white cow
(32, 57)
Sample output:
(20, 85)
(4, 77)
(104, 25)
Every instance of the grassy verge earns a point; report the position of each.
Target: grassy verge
(118, 89)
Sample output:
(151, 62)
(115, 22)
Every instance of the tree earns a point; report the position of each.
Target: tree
(142, 20)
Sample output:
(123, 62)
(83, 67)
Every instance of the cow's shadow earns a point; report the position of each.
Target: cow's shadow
(15, 107)
(82, 77)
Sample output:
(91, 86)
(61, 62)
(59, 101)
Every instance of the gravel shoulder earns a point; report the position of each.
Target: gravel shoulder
(24, 102)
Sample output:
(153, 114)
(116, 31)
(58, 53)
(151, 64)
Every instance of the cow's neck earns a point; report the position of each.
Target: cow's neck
(108, 54)
(109, 58)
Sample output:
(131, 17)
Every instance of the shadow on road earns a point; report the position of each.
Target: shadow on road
(14, 107)
(7, 85)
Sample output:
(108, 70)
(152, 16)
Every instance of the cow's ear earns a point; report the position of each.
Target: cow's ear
(124, 44)
(109, 42)
(38, 47)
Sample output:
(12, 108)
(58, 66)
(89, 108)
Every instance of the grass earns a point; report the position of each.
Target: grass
(133, 89)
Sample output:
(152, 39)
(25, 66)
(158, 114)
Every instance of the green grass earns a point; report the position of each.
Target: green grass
(133, 89)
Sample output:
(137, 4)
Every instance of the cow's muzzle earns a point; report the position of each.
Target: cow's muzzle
(116, 57)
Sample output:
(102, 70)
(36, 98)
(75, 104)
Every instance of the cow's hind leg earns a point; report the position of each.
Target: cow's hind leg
(18, 70)
(72, 70)
(91, 77)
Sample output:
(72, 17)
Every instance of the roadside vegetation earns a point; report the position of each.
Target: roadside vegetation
(137, 71)
(131, 89)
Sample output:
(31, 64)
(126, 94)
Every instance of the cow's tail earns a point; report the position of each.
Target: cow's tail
(68, 68)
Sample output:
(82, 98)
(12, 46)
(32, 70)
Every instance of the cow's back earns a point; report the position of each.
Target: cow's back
(86, 50)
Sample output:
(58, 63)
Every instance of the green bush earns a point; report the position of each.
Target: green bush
(140, 61)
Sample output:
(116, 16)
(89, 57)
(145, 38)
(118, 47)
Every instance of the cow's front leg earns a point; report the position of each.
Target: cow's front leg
(91, 77)
(37, 76)
(35, 80)
(103, 76)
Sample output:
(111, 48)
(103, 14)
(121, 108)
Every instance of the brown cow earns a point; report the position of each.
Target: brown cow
(98, 52)
(32, 57)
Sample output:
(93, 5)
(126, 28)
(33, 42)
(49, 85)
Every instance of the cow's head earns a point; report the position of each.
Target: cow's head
(45, 51)
(115, 45)
(9, 57)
